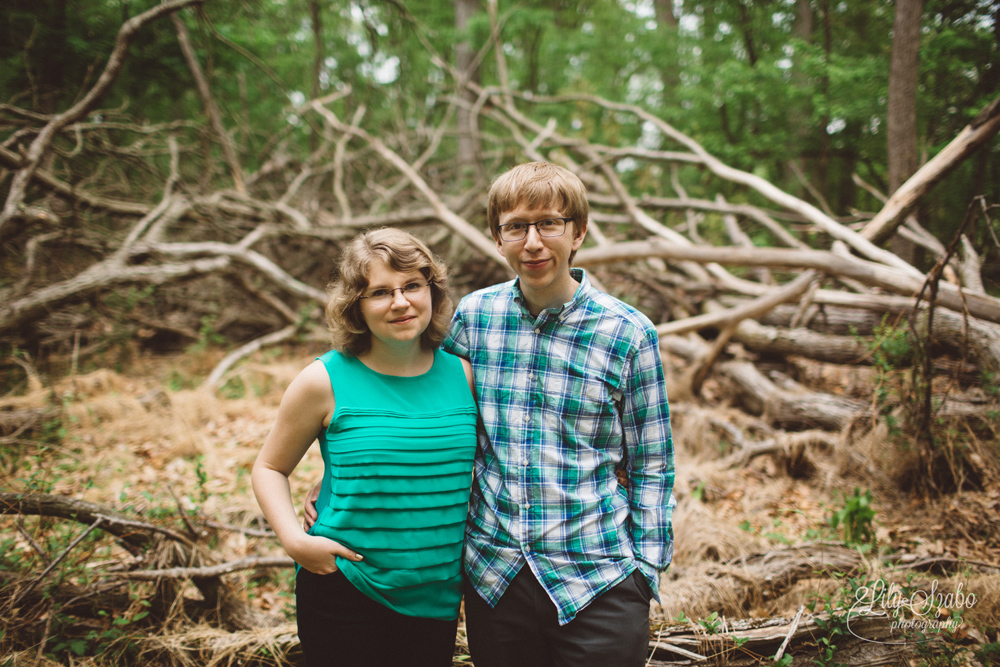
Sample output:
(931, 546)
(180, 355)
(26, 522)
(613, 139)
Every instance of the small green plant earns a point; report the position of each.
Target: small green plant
(991, 383)
(988, 654)
(854, 519)
(893, 348)
(833, 625)
(234, 388)
(207, 334)
(772, 535)
(711, 623)
(178, 381)
(201, 476)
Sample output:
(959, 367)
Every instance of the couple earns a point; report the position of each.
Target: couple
(560, 559)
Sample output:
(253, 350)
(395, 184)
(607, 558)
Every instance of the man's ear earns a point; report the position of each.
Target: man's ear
(579, 235)
(499, 246)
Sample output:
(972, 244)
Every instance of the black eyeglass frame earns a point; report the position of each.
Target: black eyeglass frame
(536, 224)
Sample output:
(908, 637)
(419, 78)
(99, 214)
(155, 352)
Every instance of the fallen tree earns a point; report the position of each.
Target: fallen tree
(738, 318)
(146, 542)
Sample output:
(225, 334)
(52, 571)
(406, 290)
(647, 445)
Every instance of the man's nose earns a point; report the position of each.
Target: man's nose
(533, 238)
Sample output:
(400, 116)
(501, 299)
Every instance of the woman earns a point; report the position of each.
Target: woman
(396, 421)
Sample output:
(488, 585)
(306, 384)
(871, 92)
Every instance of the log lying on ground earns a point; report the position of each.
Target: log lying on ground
(15, 422)
(784, 403)
(734, 587)
(747, 643)
(792, 407)
(955, 333)
(227, 601)
(803, 342)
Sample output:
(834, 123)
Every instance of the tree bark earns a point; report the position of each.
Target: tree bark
(468, 149)
(901, 117)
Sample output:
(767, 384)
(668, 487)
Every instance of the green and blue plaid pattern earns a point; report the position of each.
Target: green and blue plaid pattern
(566, 398)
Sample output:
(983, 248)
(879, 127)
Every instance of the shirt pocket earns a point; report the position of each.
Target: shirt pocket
(593, 411)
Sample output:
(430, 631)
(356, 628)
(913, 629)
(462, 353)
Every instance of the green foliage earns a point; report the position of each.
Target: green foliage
(754, 82)
(772, 535)
(894, 347)
(854, 519)
(833, 624)
(201, 479)
(711, 623)
(115, 637)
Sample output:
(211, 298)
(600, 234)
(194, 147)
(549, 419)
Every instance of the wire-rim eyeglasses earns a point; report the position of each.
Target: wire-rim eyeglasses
(384, 295)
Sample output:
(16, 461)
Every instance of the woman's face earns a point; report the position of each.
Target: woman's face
(397, 307)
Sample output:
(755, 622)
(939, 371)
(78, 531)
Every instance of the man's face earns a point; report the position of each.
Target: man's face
(541, 262)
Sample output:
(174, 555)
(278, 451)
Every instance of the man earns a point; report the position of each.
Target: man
(561, 560)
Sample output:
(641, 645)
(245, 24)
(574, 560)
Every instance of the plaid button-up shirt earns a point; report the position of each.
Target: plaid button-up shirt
(566, 398)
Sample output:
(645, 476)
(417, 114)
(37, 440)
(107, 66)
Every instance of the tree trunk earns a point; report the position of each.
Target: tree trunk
(316, 16)
(468, 147)
(902, 112)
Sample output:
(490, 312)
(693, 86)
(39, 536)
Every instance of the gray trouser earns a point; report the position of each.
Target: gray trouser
(523, 629)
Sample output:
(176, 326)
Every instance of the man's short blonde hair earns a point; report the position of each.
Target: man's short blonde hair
(538, 185)
(400, 251)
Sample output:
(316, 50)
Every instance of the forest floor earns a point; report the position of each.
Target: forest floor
(148, 440)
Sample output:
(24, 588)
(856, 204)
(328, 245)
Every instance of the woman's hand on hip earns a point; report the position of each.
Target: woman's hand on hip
(318, 554)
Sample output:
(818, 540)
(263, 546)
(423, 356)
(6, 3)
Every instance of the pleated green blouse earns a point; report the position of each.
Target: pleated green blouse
(398, 469)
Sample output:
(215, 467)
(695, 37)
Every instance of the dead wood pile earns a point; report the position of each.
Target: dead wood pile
(794, 334)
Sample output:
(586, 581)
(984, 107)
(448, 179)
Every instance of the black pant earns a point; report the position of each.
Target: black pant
(523, 629)
(339, 626)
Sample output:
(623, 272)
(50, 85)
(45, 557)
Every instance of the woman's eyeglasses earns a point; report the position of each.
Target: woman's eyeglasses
(384, 295)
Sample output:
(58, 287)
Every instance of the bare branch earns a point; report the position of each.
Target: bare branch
(214, 379)
(976, 134)
(475, 238)
(208, 102)
(251, 563)
(41, 144)
(878, 275)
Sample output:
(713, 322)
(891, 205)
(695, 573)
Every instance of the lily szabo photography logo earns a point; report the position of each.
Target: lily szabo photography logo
(917, 614)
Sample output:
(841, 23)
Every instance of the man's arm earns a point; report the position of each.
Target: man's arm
(457, 342)
(649, 446)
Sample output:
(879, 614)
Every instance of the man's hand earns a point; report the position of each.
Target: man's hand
(309, 511)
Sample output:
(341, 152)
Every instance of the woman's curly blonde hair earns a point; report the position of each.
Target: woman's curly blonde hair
(401, 252)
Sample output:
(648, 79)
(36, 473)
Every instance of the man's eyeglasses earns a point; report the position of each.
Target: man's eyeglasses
(515, 231)
(384, 296)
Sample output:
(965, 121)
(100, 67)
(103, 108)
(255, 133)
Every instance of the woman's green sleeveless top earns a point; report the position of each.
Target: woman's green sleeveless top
(398, 468)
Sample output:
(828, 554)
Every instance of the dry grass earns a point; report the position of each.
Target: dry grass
(205, 646)
(145, 433)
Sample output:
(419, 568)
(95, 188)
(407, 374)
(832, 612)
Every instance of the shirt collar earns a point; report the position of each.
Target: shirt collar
(582, 290)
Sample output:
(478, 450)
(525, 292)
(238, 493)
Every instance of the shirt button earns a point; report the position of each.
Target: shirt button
(527, 506)
(527, 418)
(538, 331)
(524, 462)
